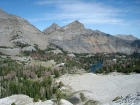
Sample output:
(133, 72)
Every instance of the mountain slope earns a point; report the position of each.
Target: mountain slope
(14, 29)
(126, 37)
(74, 37)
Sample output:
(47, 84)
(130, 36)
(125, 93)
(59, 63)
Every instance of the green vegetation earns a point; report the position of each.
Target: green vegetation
(64, 52)
(22, 45)
(5, 47)
(18, 79)
(14, 37)
(49, 49)
(36, 98)
(36, 47)
(13, 104)
(58, 96)
(56, 73)
(37, 81)
(26, 53)
(82, 97)
(71, 64)
(1, 53)
(123, 64)
(117, 98)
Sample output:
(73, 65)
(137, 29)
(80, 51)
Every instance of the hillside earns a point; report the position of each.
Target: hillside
(17, 32)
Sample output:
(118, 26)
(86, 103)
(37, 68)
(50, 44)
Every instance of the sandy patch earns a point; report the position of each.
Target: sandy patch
(9, 51)
(103, 88)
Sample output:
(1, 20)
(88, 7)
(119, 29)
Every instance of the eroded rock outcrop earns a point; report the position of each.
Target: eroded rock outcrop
(130, 99)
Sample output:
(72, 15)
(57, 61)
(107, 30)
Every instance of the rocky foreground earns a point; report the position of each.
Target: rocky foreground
(113, 89)
(103, 88)
(131, 99)
(26, 100)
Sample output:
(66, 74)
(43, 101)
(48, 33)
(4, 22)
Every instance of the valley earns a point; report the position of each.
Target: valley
(53, 67)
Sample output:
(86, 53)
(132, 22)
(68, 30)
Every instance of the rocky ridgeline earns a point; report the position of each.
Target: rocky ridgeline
(126, 37)
(74, 37)
(131, 99)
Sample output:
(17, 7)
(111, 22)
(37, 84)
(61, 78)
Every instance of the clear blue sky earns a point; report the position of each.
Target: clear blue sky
(110, 16)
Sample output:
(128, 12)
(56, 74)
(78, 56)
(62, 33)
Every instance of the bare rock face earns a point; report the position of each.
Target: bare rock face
(14, 29)
(130, 99)
(76, 25)
(28, 48)
(26, 100)
(127, 37)
(74, 37)
(131, 40)
(52, 28)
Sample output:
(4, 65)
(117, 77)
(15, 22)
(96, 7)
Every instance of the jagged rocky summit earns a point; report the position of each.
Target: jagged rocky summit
(52, 28)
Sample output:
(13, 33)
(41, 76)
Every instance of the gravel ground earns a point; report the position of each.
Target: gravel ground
(104, 88)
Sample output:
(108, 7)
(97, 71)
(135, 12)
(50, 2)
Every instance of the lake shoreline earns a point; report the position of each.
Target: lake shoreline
(95, 67)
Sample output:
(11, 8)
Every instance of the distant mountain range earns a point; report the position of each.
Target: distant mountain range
(73, 37)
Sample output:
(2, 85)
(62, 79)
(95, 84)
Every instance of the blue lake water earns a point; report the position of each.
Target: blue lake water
(96, 66)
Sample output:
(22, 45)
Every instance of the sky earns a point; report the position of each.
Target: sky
(109, 16)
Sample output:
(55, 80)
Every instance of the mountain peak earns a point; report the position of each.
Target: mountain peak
(76, 22)
(51, 28)
(54, 24)
(76, 25)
